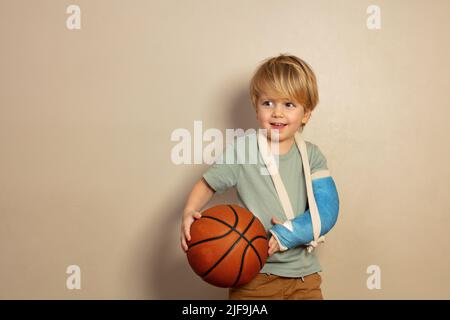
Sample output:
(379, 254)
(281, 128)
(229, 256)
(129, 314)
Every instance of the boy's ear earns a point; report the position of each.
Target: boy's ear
(306, 116)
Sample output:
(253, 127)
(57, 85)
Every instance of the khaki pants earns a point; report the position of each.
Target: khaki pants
(272, 287)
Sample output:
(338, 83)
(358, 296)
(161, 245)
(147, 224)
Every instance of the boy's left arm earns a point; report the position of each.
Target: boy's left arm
(299, 231)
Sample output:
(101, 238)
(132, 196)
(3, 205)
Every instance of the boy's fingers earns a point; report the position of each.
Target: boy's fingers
(183, 244)
(275, 220)
(270, 246)
(197, 215)
(187, 225)
(272, 241)
(187, 233)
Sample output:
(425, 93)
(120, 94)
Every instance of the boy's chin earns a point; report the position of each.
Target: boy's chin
(276, 135)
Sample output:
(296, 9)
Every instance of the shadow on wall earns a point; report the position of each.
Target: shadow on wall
(167, 273)
(242, 114)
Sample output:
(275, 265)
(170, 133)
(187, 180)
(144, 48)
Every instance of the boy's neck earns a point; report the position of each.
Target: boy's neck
(285, 146)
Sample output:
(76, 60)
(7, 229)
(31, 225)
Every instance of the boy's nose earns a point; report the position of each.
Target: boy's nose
(278, 110)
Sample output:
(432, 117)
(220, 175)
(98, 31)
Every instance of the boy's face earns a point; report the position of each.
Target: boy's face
(283, 115)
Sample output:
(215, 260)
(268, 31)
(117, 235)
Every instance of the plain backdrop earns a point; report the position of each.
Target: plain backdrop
(86, 116)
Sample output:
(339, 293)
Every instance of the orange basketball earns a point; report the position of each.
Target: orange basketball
(228, 246)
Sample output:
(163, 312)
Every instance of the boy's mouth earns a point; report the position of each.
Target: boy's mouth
(277, 125)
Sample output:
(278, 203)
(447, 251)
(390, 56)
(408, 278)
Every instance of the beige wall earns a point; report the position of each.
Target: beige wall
(86, 116)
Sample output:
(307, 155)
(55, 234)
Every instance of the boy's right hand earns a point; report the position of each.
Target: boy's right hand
(188, 219)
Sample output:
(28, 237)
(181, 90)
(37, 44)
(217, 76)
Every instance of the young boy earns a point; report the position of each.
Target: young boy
(284, 93)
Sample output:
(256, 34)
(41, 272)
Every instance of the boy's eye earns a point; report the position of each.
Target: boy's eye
(288, 105)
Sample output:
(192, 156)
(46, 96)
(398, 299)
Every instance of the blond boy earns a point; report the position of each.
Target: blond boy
(284, 92)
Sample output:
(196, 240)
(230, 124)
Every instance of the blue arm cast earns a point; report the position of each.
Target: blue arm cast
(327, 201)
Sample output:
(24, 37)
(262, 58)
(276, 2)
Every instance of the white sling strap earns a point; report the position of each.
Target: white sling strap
(272, 167)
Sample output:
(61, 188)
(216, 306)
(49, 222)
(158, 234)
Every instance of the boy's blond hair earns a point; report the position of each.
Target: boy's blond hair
(286, 77)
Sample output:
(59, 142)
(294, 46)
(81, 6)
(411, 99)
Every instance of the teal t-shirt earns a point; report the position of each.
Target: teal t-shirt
(241, 166)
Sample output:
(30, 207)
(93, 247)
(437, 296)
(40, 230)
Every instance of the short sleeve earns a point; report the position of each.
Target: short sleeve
(317, 160)
(224, 172)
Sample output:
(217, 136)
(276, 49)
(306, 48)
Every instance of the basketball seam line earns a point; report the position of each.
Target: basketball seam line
(243, 257)
(228, 251)
(241, 235)
(218, 237)
(232, 228)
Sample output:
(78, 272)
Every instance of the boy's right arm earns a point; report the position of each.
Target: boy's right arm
(198, 198)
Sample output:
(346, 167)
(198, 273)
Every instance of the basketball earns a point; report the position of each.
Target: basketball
(228, 246)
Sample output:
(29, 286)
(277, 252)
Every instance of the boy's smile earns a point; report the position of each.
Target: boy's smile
(282, 118)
